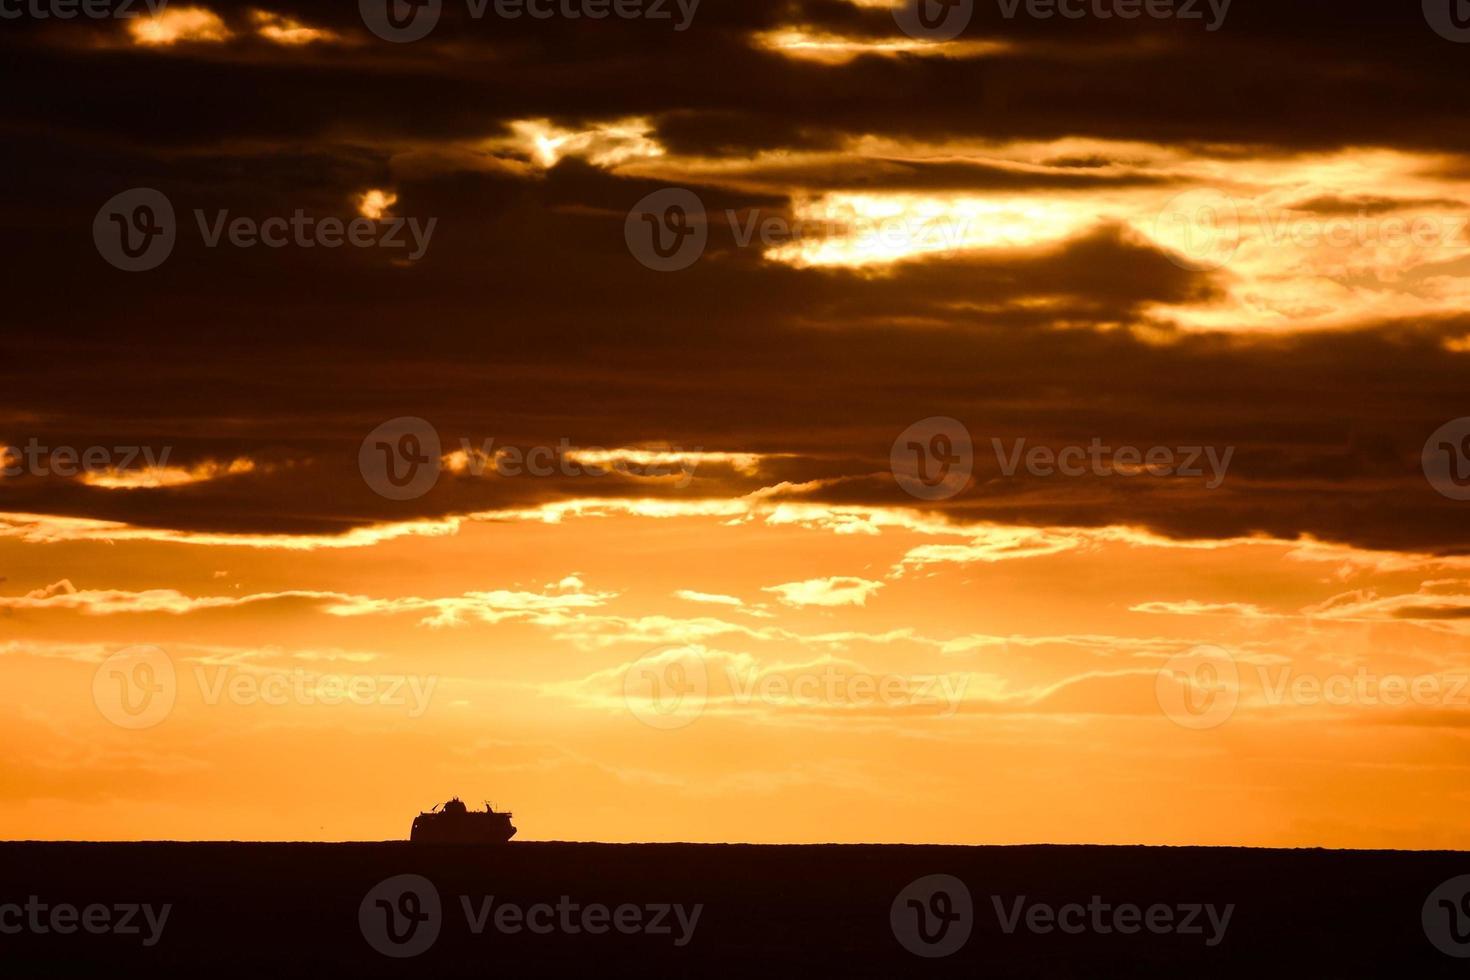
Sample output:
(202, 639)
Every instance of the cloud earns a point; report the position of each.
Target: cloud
(737, 684)
(1438, 604)
(690, 595)
(283, 30)
(993, 544)
(1063, 313)
(485, 607)
(173, 25)
(546, 608)
(374, 204)
(1193, 607)
(114, 478)
(837, 49)
(835, 590)
(46, 529)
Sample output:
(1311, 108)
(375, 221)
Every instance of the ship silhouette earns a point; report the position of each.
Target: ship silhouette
(454, 823)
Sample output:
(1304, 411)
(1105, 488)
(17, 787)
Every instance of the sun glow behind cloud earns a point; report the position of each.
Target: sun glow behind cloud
(605, 144)
(166, 476)
(1309, 242)
(826, 48)
(173, 25)
(375, 203)
(856, 230)
(281, 29)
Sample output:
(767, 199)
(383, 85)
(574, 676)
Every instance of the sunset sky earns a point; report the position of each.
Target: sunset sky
(1246, 246)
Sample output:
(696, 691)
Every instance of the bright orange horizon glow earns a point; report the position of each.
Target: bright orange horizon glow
(890, 685)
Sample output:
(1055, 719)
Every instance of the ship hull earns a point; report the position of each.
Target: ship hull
(467, 828)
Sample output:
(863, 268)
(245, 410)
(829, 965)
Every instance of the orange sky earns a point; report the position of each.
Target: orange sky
(1020, 702)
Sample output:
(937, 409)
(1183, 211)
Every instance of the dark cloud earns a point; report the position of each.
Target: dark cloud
(1371, 205)
(1289, 76)
(528, 320)
(1432, 612)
